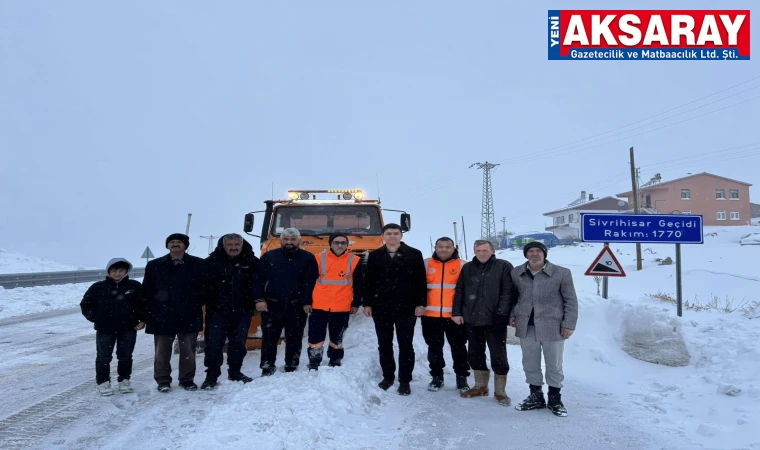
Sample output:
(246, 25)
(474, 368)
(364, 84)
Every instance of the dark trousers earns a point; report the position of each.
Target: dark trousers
(292, 318)
(496, 338)
(125, 345)
(220, 328)
(404, 323)
(319, 322)
(162, 367)
(436, 331)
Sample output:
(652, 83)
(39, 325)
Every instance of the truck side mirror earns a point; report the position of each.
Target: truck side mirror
(406, 222)
(248, 223)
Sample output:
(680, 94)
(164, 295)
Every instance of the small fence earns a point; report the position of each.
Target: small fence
(17, 280)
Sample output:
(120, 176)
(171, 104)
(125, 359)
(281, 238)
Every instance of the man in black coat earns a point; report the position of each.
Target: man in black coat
(485, 296)
(174, 292)
(285, 279)
(395, 294)
(231, 270)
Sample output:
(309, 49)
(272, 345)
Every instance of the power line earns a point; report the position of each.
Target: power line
(662, 113)
(431, 187)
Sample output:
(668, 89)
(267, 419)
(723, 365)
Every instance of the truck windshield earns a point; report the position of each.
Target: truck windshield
(325, 219)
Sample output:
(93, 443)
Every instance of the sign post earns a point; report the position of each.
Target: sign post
(606, 265)
(639, 229)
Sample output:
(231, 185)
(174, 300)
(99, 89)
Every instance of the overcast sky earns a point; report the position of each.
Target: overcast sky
(117, 119)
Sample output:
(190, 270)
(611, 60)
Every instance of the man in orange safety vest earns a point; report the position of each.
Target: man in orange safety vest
(443, 271)
(337, 294)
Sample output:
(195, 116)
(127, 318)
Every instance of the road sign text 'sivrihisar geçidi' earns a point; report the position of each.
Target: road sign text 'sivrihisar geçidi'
(642, 228)
(717, 35)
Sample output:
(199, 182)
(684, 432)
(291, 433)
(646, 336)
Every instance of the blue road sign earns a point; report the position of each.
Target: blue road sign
(642, 228)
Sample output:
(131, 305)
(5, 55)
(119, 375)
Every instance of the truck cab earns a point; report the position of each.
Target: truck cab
(316, 214)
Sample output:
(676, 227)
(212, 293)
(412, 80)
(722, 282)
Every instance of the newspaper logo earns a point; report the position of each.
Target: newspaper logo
(718, 35)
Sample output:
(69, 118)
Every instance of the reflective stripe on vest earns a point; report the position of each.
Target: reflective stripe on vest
(348, 280)
(334, 290)
(441, 283)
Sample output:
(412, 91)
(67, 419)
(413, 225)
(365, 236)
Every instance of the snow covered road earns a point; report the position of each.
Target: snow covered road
(47, 373)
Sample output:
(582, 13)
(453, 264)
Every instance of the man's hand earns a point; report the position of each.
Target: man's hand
(566, 332)
(140, 326)
(262, 307)
(354, 309)
(367, 311)
(307, 309)
(513, 321)
(419, 311)
(459, 320)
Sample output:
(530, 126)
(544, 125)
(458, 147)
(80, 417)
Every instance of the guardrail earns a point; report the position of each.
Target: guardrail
(17, 280)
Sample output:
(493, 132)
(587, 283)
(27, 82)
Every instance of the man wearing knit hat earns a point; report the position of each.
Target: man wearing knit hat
(175, 293)
(544, 317)
(336, 295)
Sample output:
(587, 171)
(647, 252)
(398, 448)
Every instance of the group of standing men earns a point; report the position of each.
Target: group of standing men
(469, 304)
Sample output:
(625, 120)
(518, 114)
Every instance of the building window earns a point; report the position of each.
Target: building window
(733, 194)
(720, 194)
(721, 215)
(685, 194)
(734, 215)
(570, 218)
(686, 212)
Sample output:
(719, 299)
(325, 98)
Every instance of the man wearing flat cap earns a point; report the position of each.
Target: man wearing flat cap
(544, 317)
(175, 294)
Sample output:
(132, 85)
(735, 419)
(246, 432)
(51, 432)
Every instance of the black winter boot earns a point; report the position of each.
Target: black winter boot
(386, 383)
(555, 402)
(239, 376)
(462, 384)
(436, 384)
(209, 383)
(534, 401)
(404, 388)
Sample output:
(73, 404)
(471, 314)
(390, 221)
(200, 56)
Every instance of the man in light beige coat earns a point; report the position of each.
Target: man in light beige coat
(544, 317)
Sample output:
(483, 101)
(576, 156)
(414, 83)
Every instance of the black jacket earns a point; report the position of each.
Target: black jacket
(395, 283)
(230, 280)
(485, 294)
(114, 307)
(285, 277)
(175, 295)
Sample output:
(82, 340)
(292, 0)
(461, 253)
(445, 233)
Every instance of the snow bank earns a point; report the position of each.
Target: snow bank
(651, 334)
(21, 301)
(12, 262)
(336, 408)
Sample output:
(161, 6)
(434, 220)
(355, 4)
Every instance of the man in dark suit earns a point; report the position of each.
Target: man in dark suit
(395, 294)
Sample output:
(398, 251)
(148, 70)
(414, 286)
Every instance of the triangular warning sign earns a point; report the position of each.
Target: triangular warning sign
(147, 253)
(606, 265)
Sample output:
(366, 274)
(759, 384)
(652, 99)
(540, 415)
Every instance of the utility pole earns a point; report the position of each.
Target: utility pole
(210, 242)
(635, 193)
(487, 221)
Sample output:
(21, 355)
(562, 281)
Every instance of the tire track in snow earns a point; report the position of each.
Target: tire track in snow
(38, 316)
(34, 423)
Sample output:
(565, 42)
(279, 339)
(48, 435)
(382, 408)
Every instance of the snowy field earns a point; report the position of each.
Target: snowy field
(701, 391)
(12, 262)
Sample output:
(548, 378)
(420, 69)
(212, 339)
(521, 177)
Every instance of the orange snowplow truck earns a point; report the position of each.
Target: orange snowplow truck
(344, 210)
